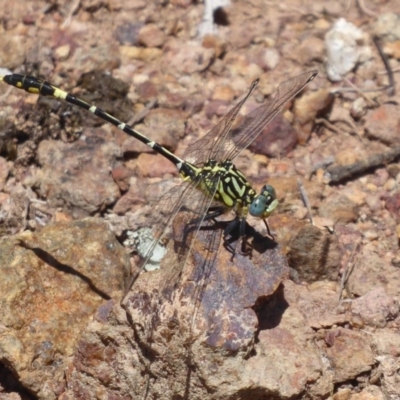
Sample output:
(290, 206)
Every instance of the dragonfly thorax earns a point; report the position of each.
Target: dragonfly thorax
(227, 185)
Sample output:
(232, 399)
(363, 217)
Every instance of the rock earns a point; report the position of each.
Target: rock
(147, 91)
(387, 26)
(165, 126)
(375, 308)
(276, 140)
(392, 204)
(311, 49)
(387, 343)
(127, 33)
(241, 37)
(140, 53)
(350, 354)
(186, 322)
(4, 171)
(382, 124)
(76, 175)
(371, 392)
(267, 58)
(186, 58)
(307, 107)
(367, 274)
(345, 47)
(289, 343)
(340, 209)
(121, 176)
(393, 49)
(11, 51)
(152, 36)
(388, 367)
(216, 107)
(223, 93)
(55, 281)
(14, 209)
(214, 42)
(154, 166)
(315, 254)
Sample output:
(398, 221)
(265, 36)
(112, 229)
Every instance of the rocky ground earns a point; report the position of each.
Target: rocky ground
(313, 314)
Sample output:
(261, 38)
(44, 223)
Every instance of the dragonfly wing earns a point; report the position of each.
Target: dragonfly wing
(164, 212)
(205, 149)
(224, 143)
(187, 224)
(253, 124)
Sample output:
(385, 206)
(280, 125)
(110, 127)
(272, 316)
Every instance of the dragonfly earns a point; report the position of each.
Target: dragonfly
(211, 184)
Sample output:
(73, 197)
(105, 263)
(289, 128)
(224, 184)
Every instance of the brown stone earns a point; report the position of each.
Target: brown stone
(55, 281)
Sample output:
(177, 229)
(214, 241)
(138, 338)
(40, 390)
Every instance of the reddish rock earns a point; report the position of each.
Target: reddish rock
(77, 175)
(340, 209)
(4, 171)
(367, 274)
(350, 354)
(121, 176)
(152, 36)
(375, 308)
(311, 49)
(392, 204)
(276, 140)
(188, 58)
(383, 124)
(55, 281)
(315, 254)
(217, 107)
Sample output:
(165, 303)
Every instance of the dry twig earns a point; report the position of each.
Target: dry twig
(348, 270)
(391, 86)
(339, 173)
(305, 199)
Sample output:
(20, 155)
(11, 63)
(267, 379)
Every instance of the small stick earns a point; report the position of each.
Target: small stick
(364, 9)
(332, 127)
(305, 199)
(351, 90)
(370, 102)
(322, 164)
(391, 86)
(347, 271)
(327, 124)
(397, 69)
(338, 173)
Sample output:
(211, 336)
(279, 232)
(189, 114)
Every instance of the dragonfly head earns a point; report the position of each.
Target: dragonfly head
(264, 203)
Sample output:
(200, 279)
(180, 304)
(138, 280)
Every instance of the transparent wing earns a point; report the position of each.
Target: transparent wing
(165, 210)
(205, 251)
(185, 206)
(253, 124)
(202, 150)
(224, 143)
(186, 227)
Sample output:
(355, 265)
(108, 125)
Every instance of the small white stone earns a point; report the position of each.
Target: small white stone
(345, 47)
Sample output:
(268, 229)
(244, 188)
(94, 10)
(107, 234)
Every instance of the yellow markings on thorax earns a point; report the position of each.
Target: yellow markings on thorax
(239, 187)
(227, 198)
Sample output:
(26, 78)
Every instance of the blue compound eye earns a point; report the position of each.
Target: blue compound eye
(258, 206)
(269, 192)
(263, 204)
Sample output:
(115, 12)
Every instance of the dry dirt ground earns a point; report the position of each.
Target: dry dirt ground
(311, 315)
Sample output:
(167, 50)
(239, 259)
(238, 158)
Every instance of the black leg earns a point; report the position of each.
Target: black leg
(269, 232)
